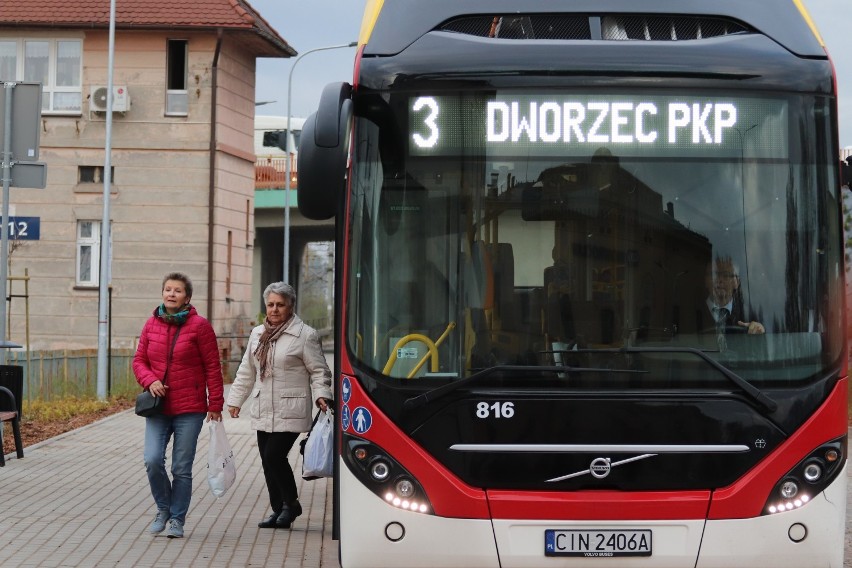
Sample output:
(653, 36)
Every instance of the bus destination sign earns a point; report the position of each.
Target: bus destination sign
(547, 125)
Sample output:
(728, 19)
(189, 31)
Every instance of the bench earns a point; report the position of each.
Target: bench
(11, 403)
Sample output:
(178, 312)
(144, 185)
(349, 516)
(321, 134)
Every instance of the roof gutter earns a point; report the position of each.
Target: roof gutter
(211, 196)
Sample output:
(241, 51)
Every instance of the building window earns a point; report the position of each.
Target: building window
(94, 174)
(56, 63)
(177, 100)
(88, 253)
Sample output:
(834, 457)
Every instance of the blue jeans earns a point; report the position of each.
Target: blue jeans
(172, 496)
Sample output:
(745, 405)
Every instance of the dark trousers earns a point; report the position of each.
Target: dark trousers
(274, 447)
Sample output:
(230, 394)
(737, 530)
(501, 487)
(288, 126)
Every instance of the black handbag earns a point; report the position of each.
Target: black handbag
(146, 403)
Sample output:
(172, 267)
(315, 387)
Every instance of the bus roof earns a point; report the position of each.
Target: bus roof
(391, 25)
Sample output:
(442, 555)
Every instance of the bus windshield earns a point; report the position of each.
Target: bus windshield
(553, 229)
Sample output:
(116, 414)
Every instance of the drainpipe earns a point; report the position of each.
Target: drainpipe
(211, 198)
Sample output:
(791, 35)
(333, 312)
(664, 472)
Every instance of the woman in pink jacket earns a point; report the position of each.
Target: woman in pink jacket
(178, 359)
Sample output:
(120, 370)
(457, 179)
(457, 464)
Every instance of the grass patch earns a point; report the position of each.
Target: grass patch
(68, 407)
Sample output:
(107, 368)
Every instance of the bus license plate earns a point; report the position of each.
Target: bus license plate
(597, 543)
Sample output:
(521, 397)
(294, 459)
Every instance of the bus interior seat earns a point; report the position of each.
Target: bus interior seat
(506, 305)
(558, 312)
(479, 291)
(479, 278)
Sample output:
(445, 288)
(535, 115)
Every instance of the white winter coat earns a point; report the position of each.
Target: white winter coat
(286, 400)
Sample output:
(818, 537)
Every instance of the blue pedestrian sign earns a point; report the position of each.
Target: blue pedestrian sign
(361, 420)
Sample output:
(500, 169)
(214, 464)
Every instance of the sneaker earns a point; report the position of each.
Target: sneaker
(175, 529)
(159, 524)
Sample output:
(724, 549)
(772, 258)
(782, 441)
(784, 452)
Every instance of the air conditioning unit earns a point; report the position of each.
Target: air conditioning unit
(98, 99)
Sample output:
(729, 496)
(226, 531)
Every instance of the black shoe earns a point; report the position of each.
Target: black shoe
(295, 510)
(269, 522)
(285, 518)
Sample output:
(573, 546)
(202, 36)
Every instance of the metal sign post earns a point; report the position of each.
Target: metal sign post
(20, 133)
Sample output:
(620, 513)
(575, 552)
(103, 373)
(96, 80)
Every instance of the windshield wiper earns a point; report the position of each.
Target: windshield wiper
(752, 391)
(430, 396)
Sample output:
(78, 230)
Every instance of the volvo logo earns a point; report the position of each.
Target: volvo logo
(600, 467)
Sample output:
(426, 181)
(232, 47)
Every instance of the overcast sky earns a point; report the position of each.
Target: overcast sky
(308, 24)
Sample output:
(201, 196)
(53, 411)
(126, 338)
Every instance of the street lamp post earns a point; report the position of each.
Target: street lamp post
(106, 261)
(287, 151)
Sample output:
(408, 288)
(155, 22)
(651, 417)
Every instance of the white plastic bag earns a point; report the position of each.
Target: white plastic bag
(221, 470)
(319, 448)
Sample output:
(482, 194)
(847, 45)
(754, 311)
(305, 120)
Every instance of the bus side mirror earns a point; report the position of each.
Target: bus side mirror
(323, 153)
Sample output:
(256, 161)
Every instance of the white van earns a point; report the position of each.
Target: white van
(268, 124)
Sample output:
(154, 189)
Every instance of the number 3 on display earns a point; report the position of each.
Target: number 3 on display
(499, 409)
(429, 121)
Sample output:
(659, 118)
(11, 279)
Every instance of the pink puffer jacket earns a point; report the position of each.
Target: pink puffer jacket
(195, 374)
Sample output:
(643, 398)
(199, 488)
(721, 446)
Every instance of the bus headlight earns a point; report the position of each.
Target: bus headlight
(813, 471)
(789, 489)
(380, 470)
(807, 478)
(384, 476)
(405, 487)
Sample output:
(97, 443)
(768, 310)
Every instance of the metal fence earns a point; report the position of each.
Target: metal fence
(50, 375)
(56, 374)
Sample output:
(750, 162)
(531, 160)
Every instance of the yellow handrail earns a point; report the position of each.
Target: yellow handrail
(432, 346)
(438, 342)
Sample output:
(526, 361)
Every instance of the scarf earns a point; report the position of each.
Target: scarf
(264, 351)
(173, 319)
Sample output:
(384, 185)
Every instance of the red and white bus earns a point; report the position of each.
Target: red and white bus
(536, 203)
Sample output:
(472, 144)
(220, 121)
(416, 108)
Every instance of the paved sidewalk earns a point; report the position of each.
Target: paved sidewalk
(82, 499)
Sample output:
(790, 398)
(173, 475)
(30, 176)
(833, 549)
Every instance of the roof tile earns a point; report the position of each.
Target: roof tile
(228, 14)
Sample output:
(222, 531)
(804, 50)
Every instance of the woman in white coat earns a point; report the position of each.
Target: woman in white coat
(282, 371)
